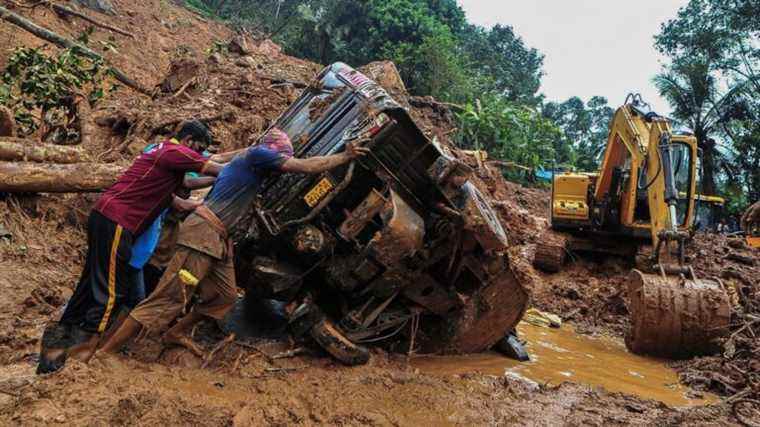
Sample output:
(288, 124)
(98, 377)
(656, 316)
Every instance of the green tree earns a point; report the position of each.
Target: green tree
(711, 46)
(437, 53)
(40, 88)
(503, 64)
(584, 130)
(508, 132)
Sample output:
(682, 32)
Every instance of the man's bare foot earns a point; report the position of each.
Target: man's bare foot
(184, 341)
(103, 359)
(55, 353)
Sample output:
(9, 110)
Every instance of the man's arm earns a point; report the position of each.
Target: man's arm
(199, 182)
(181, 204)
(225, 157)
(183, 159)
(211, 168)
(319, 164)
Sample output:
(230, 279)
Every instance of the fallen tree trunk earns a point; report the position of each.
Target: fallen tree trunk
(19, 149)
(743, 259)
(63, 10)
(65, 43)
(25, 177)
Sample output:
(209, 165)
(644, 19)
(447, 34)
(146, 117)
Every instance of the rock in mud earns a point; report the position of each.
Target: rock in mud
(102, 6)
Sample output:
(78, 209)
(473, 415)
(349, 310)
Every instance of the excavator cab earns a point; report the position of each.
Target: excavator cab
(753, 236)
(705, 217)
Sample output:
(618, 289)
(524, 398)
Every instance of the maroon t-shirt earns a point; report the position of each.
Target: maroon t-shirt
(146, 188)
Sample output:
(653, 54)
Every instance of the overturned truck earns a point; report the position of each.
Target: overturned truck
(398, 246)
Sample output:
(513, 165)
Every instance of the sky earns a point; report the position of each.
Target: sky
(591, 47)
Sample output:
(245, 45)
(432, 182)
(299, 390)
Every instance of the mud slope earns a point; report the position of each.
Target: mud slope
(162, 32)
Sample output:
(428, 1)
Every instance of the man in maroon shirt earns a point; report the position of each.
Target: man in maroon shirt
(121, 214)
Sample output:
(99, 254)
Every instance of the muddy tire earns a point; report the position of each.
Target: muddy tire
(487, 316)
(341, 348)
(674, 317)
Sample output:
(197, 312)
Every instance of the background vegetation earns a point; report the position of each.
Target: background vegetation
(710, 78)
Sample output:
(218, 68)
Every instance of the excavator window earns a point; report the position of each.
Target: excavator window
(681, 159)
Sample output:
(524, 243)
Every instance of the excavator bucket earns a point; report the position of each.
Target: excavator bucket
(676, 317)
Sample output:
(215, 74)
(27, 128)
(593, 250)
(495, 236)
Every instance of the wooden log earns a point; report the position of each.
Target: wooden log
(63, 10)
(26, 177)
(65, 43)
(19, 149)
(169, 124)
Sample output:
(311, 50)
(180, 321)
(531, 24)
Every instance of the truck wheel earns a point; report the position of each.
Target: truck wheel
(334, 342)
(487, 316)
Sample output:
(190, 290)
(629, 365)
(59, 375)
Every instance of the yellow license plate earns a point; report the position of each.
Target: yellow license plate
(318, 192)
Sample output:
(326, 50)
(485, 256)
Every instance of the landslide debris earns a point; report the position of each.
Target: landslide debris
(239, 92)
(735, 372)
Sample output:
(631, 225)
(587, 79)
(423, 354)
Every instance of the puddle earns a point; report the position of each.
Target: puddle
(559, 355)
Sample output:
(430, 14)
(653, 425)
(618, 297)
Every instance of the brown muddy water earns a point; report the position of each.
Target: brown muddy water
(562, 355)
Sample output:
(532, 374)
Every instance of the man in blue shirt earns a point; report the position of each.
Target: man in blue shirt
(203, 263)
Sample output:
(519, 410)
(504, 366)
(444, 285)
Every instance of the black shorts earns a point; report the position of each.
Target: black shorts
(104, 284)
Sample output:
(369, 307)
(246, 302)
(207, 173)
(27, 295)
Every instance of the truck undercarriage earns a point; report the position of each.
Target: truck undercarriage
(397, 244)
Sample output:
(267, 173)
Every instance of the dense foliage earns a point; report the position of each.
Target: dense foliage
(40, 88)
(510, 132)
(712, 83)
(709, 80)
(491, 73)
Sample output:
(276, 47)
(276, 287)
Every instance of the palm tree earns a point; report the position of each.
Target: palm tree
(692, 90)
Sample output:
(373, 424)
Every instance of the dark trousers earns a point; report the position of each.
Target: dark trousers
(104, 284)
(136, 292)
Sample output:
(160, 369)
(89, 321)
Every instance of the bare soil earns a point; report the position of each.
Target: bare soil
(241, 385)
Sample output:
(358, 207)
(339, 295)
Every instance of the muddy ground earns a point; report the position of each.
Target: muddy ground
(40, 263)
(42, 247)
(241, 385)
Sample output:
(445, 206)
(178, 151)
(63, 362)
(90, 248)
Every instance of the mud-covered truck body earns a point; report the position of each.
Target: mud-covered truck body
(398, 244)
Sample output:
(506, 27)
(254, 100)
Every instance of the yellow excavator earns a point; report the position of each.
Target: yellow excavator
(750, 223)
(641, 204)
